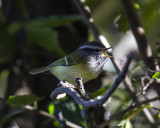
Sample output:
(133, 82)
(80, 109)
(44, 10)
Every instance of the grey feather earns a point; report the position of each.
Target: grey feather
(39, 70)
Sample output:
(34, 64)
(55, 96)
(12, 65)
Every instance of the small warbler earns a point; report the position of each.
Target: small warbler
(86, 62)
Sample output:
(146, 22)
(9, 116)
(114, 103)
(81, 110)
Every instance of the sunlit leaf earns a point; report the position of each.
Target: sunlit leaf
(22, 100)
(137, 6)
(158, 114)
(51, 108)
(156, 75)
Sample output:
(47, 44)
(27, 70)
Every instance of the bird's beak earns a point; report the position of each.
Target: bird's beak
(106, 55)
(105, 52)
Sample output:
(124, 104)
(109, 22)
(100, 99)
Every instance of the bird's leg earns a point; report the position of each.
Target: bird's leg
(80, 88)
(65, 84)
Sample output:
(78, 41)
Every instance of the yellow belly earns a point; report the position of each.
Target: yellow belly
(70, 73)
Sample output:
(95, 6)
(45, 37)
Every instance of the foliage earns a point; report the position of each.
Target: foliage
(156, 75)
(22, 100)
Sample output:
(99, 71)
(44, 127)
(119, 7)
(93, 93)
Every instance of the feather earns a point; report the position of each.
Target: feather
(39, 70)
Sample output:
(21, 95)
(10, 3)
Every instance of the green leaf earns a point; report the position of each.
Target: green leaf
(90, 2)
(122, 23)
(137, 6)
(55, 21)
(158, 114)
(56, 123)
(125, 124)
(44, 37)
(51, 108)
(10, 114)
(22, 100)
(101, 91)
(14, 27)
(156, 75)
(132, 113)
(68, 106)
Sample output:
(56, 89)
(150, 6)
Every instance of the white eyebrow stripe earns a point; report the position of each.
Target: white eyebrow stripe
(89, 46)
(66, 61)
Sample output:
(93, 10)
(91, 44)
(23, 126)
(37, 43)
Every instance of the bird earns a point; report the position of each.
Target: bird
(86, 61)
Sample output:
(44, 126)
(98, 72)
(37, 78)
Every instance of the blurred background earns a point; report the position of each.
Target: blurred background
(35, 33)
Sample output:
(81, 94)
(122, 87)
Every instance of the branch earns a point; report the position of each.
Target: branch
(61, 120)
(90, 22)
(46, 114)
(139, 34)
(120, 114)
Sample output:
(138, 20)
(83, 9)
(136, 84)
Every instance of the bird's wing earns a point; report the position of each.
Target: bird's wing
(71, 59)
(39, 70)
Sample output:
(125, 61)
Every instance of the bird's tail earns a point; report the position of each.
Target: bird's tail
(39, 70)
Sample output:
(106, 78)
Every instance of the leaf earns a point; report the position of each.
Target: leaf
(22, 100)
(21, 7)
(51, 108)
(14, 27)
(122, 23)
(137, 6)
(10, 114)
(125, 124)
(44, 37)
(90, 2)
(101, 91)
(55, 21)
(128, 124)
(132, 113)
(56, 123)
(156, 75)
(158, 114)
(68, 106)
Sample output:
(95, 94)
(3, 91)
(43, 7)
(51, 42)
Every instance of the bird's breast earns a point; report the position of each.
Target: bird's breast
(70, 73)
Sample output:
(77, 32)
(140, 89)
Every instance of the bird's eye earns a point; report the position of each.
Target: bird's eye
(96, 50)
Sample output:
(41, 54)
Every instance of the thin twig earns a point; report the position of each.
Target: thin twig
(87, 19)
(120, 114)
(46, 114)
(139, 34)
